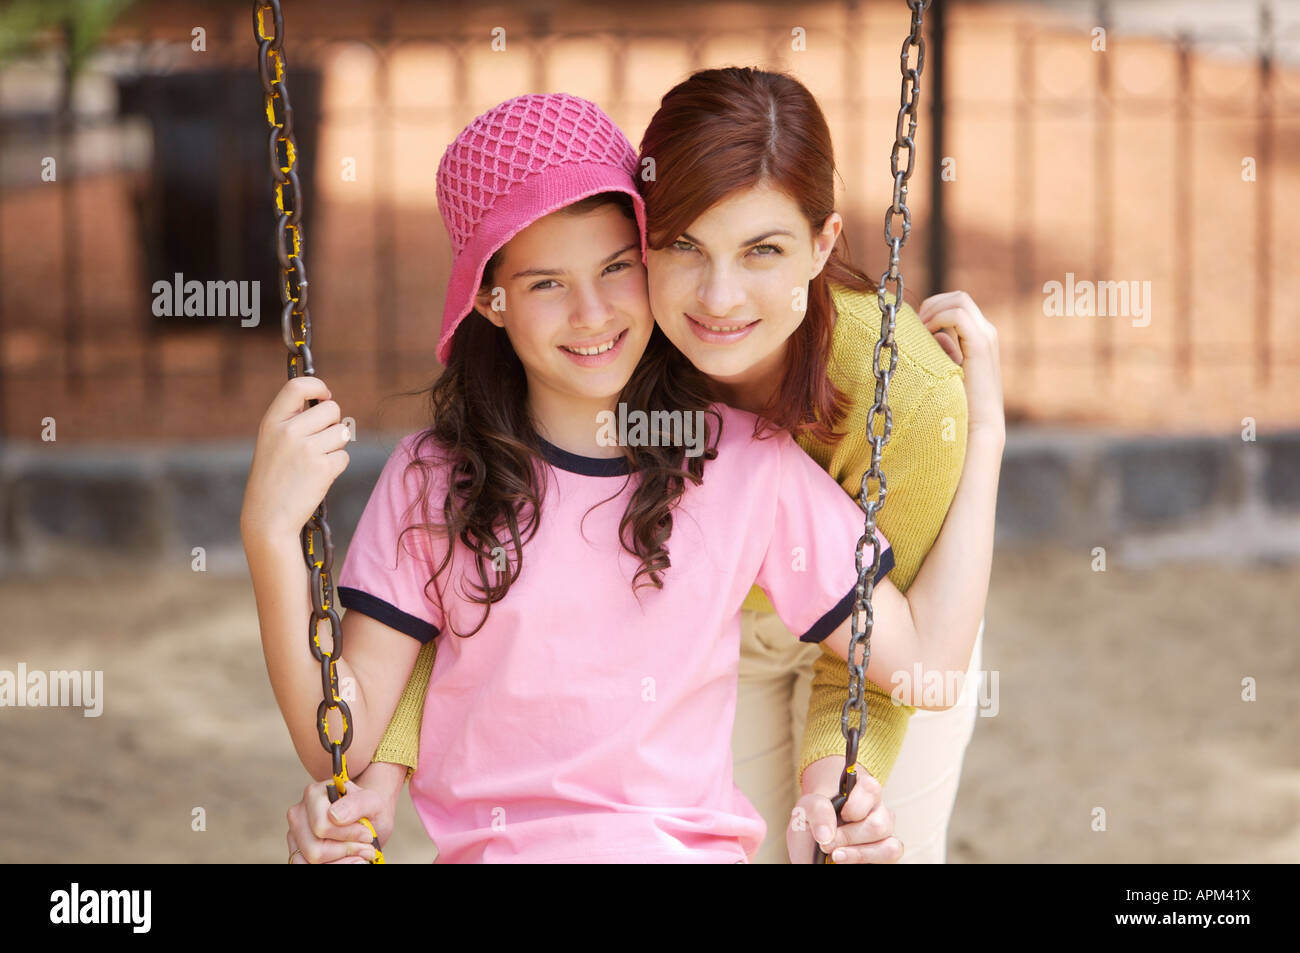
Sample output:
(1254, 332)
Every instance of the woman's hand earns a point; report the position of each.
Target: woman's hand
(954, 315)
(867, 836)
(298, 455)
(321, 833)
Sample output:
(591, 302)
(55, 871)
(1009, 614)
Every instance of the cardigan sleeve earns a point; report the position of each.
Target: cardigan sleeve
(878, 746)
(401, 741)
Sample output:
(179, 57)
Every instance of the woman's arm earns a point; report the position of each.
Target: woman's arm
(932, 630)
(923, 463)
(401, 741)
(886, 722)
(930, 633)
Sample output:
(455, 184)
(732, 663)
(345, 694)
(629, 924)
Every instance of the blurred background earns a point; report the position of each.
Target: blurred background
(1141, 618)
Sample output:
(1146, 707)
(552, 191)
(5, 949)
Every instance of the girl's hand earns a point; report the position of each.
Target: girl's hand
(953, 315)
(298, 455)
(867, 836)
(325, 833)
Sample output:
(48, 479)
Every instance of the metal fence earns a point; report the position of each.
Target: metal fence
(1042, 129)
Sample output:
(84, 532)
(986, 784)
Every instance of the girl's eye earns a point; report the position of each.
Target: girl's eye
(682, 245)
(775, 251)
(618, 266)
(539, 285)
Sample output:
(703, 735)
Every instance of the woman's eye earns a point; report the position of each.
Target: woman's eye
(775, 251)
(683, 245)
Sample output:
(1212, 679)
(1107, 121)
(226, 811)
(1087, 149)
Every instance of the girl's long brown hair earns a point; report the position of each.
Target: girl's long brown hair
(482, 430)
(722, 130)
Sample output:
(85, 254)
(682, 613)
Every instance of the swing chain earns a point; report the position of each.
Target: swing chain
(295, 326)
(909, 102)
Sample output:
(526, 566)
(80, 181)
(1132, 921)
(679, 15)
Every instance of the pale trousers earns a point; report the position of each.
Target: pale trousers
(775, 683)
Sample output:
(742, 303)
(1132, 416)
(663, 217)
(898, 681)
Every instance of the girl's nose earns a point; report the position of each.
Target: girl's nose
(590, 308)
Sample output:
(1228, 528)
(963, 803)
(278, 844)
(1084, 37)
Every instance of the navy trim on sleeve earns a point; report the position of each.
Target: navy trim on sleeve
(831, 620)
(388, 614)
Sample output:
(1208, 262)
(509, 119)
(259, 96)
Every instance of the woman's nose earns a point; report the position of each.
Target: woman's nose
(719, 292)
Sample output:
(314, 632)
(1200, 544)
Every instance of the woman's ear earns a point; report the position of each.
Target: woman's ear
(485, 299)
(824, 241)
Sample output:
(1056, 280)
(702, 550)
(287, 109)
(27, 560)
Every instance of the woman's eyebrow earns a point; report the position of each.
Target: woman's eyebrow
(552, 272)
(748, 241)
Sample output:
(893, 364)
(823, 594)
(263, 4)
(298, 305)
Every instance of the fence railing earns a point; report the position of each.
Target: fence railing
(1043, 159)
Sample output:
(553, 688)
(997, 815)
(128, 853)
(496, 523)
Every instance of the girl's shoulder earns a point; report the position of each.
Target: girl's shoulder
(742, 443)
(421, 446)
(418, 466)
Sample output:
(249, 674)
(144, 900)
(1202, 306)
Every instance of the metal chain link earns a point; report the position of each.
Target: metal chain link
(295, 325)
(909, 101)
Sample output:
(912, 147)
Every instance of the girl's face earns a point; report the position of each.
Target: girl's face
(733, 287)
(571, 293)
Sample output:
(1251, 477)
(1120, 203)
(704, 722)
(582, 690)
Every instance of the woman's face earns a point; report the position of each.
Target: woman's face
(733, 287)
(574, 303)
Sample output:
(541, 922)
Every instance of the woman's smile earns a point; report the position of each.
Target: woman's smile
(715, 331)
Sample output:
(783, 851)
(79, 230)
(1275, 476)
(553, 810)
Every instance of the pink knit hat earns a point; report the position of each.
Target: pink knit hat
(514, 164)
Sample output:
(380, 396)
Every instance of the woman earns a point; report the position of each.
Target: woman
(748, 277)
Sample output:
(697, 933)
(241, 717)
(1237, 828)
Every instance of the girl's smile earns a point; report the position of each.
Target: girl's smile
(598, 352)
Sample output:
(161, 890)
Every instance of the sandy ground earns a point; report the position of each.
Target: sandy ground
(1117, 690)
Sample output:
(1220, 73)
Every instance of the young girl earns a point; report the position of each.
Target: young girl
(587, 714)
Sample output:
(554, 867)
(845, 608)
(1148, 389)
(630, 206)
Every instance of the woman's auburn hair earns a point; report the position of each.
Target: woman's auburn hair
(483, 436)
(724, 130)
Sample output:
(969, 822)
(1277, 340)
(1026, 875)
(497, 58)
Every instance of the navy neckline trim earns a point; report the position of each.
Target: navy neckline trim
(587, 466)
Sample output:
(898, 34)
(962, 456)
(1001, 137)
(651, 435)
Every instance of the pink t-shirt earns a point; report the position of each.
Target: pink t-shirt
(580, 724)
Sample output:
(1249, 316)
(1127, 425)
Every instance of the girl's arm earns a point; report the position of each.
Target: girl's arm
(328, 833)
(298, 455)
(377, 659)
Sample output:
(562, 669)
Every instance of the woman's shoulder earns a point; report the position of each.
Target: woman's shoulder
(857, 329)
